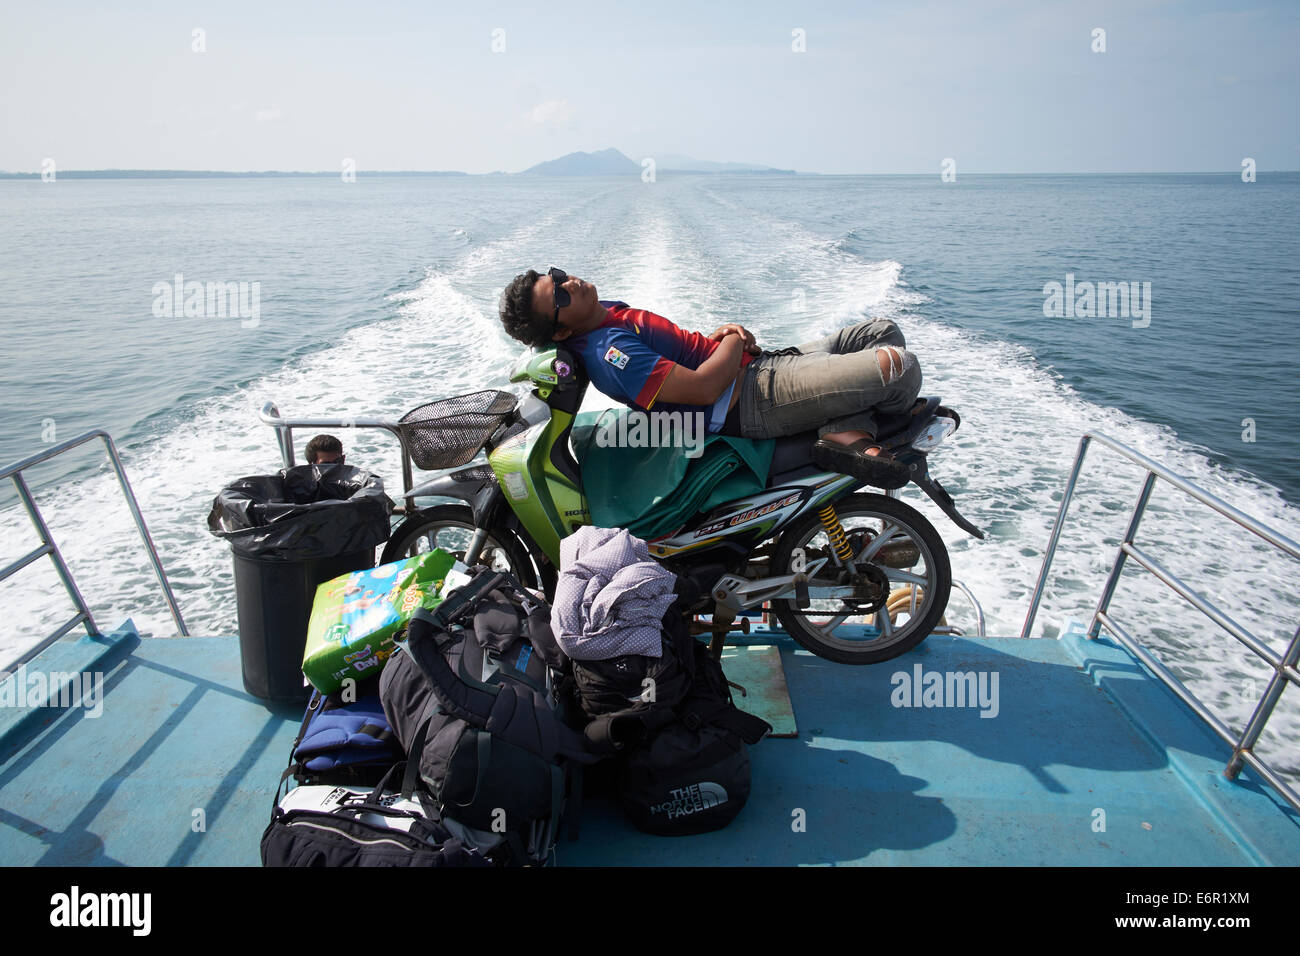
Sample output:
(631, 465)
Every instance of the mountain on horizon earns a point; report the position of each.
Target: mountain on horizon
(607, 162)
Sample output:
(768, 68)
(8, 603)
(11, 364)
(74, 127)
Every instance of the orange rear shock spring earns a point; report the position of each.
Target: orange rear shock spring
(835, 531)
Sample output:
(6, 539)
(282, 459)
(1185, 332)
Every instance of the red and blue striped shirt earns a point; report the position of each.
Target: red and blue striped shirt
(629, 355)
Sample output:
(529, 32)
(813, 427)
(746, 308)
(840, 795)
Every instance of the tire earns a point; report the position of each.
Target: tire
(450, 527)
(862, 648)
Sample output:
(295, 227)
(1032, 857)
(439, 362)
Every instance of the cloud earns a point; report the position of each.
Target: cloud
(551, 112)
(268, 116)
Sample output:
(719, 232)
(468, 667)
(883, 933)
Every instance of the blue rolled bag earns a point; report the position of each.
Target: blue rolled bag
(344, 740)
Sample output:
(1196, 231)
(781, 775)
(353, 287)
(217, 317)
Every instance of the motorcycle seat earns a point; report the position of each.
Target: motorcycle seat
(792, 451)
(795, 451)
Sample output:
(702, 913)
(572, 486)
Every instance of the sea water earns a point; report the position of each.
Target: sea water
(376, 296)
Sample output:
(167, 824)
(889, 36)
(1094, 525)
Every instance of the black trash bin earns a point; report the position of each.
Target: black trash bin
(290, 532)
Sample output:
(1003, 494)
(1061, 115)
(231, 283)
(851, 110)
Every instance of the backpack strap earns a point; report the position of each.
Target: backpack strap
(697, 712)
(459, 602)
(472, 704)
(412, 774)
(610, 733)
(313, 705)
(483, 755)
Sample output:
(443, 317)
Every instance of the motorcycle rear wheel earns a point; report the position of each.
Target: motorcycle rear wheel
(450, 527)
(871, 637)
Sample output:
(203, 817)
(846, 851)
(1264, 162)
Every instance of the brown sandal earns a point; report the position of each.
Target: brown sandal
(880, 470)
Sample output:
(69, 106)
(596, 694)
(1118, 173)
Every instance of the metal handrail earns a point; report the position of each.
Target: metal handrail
(979, 611)
(270, 415)
(1283, 665)
(48, 547)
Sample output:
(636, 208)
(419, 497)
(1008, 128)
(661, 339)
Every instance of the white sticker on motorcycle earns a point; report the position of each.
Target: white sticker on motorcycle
(516, 487)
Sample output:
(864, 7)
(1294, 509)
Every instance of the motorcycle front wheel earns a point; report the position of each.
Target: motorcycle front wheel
(451, 527)
(899, 545)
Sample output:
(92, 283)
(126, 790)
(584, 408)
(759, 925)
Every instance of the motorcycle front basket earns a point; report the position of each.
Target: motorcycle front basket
(450, 432)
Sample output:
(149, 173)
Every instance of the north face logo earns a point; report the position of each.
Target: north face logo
(693, 799)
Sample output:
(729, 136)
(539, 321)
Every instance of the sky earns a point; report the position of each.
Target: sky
(877, 88)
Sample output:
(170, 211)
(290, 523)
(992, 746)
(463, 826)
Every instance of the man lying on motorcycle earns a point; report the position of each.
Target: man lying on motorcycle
(835, 385)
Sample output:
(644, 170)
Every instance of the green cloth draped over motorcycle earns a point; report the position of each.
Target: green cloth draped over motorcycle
(670, 487)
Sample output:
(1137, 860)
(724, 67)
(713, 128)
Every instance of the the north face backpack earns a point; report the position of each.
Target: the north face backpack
(475, 678)
(692, 775)
(684, 781)
(690, 772)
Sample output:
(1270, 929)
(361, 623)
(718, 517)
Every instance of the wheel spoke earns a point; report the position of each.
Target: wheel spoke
(897, 574)
(833, 623)
(885, 536)
(884, 622)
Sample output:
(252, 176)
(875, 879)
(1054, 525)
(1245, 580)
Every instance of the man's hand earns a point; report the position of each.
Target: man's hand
(732, 328)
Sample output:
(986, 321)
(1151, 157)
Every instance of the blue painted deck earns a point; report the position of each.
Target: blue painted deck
(1080, 728)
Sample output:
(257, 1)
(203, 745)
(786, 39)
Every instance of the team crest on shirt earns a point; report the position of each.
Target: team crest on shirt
(616, 358)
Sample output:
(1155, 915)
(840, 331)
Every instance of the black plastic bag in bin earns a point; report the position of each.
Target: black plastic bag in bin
(308, 511)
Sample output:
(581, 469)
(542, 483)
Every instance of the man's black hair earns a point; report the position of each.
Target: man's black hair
(322, 443)
(517, 314)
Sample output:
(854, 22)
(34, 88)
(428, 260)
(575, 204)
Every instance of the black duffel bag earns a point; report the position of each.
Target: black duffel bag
(346, 826)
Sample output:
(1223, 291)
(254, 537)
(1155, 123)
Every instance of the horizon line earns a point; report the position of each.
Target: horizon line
(15, 174)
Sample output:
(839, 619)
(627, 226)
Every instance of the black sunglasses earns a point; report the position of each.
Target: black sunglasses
(562, 297)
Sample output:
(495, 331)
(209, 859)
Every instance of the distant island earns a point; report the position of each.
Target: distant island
(213, 174)
(605, 162)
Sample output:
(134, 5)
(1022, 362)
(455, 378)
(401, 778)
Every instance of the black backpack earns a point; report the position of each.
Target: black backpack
(472, 697)
(627, 698)
(689, 772)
